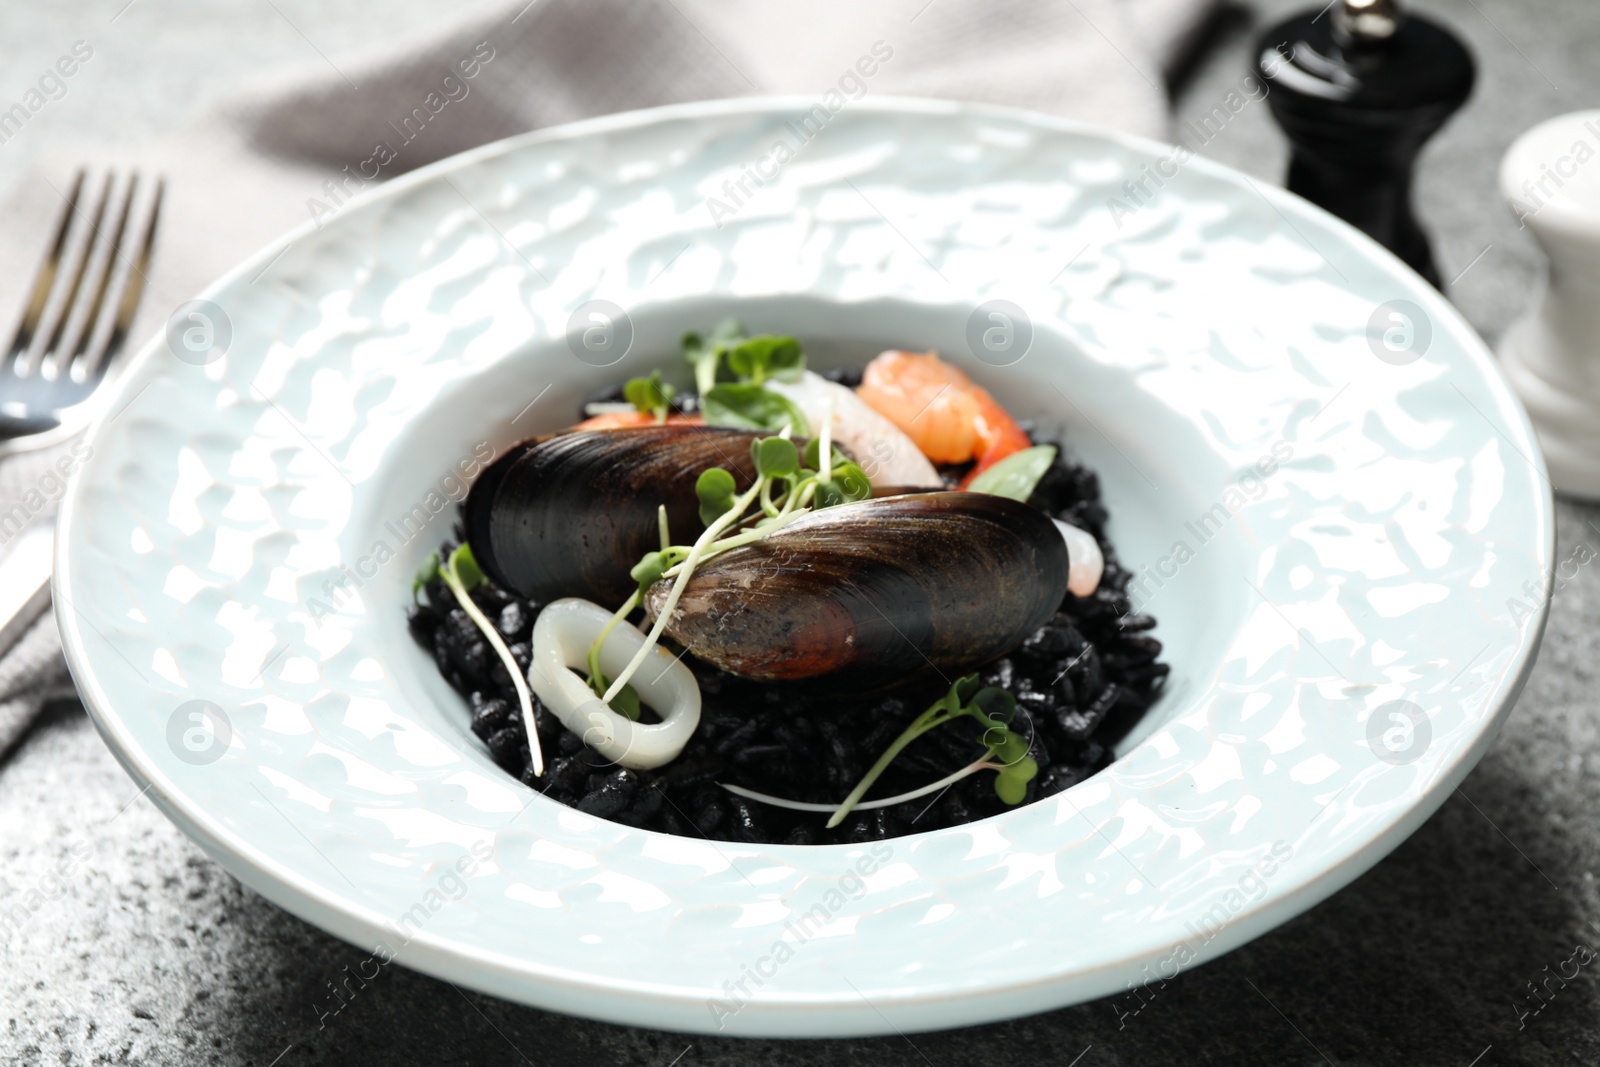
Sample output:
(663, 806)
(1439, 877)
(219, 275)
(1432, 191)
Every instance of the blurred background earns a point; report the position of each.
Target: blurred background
(160, 64)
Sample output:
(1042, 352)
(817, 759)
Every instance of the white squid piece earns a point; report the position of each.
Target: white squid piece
(1085, 564)
(884, 452)
(561, 640)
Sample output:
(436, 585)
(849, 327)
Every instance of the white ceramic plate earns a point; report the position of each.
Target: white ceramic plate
(240, 538)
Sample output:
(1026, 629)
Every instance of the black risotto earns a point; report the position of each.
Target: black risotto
(1081, 681)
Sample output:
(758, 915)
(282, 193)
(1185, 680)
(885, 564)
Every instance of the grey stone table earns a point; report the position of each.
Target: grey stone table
(146, 952)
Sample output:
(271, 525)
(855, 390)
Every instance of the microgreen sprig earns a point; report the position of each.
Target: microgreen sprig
(787, 486)
(994, 709)
(744, 406)
(755, 359)
(705, 353)
(627, 699)
(651, 395)
(461, 573)
(745, 403)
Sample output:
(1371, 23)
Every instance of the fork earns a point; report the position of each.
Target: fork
(75, 321)
(73, 329)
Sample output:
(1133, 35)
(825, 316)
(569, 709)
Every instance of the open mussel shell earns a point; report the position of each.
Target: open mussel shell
(571, 514)
(873, 592)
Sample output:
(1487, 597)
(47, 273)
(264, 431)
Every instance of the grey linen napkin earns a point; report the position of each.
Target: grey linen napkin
(294, 146)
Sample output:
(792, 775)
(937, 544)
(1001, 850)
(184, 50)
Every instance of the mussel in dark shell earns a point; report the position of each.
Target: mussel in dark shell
(570, 514)
(875, 591)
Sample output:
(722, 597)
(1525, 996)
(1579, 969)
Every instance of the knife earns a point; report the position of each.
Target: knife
(25, 581)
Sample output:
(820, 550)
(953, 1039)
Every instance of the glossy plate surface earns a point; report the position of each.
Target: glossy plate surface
(1322, 533)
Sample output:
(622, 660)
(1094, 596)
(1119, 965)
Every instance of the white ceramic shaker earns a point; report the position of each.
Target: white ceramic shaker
(1551, 179)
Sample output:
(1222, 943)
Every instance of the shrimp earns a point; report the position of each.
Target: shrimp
(947, 416)
(622, 420)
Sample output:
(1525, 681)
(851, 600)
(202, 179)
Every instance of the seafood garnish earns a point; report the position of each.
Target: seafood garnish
(873, 592)
(561, 641)
(568, 515)
(1088, 564)
(951, 419)
(886, 454)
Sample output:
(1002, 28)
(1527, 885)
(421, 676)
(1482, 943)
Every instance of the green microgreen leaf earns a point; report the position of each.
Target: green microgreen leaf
(995, 704)
(848, 485)
(756, 359)
(1009, 746)
(717, 492)
(962, 692)
(995, 709)
(427, 573)
(854, 481)
(650, 395)
(775, 457)
(705, 353)
(750, 407)
(1011, 782)
(829, 495)
(1017, 475)
(648, 571)
(466, 568)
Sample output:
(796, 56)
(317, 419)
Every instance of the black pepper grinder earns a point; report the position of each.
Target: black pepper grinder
(1359, 88)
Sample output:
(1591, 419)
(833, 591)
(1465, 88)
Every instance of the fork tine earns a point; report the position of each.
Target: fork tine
(59, 307)
(45, 279)
(90, 308)
(110, 333)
